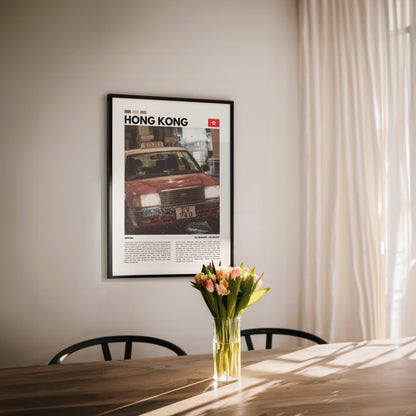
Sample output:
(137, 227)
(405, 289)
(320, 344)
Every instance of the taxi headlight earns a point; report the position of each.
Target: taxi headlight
(212, 192)
(150, 200)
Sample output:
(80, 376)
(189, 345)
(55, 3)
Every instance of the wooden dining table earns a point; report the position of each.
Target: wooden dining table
(361, 378)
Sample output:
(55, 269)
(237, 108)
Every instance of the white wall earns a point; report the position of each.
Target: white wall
(59, 60)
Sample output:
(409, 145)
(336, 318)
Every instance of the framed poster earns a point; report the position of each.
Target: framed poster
(170, 185)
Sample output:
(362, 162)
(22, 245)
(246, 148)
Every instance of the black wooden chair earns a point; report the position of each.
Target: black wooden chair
(104, 341)
(269, 332)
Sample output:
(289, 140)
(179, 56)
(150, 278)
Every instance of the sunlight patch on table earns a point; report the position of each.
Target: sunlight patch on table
(232, 394)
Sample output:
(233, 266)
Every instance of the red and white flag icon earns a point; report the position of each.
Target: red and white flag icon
(213, 122)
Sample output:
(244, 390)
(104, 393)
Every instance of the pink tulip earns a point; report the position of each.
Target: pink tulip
(236, 272)
(209, 285)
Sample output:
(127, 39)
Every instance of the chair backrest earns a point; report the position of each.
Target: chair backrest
(269, 332)
(104, 341)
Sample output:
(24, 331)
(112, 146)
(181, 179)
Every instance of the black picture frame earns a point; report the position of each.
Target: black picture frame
(170, 185)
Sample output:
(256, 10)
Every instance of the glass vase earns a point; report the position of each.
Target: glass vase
(226, 349)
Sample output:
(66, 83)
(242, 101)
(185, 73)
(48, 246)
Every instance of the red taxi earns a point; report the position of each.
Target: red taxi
(166, 189)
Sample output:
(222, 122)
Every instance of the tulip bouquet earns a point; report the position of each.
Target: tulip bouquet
(228, 292)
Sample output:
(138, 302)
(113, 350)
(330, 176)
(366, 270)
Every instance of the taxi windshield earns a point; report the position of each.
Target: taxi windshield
(155, 164)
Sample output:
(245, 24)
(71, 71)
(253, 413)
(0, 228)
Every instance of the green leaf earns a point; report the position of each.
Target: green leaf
(212, 268)
(234, 287)
(208, 298)
(222, 311)
(210, 301)
(245, 296)
(257, 295)
(244, 282)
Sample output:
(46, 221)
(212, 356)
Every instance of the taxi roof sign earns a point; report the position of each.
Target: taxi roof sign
(148, 145)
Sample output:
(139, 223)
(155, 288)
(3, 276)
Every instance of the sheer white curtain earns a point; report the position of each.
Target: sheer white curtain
(358, 181)
(401, 173)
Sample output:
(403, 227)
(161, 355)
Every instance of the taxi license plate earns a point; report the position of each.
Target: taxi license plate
(184, 213)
